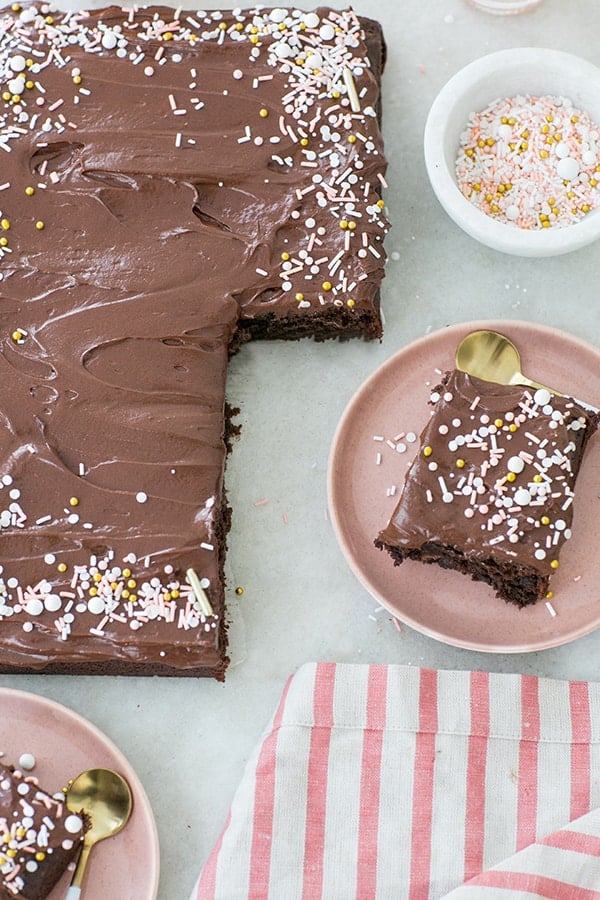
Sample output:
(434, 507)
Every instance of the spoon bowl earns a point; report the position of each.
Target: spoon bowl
(491, 356)
(104, 798)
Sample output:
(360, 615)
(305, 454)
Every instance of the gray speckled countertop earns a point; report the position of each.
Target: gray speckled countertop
(189, 740)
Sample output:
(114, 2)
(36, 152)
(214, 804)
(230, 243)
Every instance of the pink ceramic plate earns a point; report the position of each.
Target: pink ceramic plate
(64, 744)
(446, 605)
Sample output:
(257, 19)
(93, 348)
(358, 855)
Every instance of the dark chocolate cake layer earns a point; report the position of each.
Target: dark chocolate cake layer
(491, 491)
(171, 183)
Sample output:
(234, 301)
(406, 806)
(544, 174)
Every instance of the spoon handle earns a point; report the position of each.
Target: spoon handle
(520, 379)
(75, 888)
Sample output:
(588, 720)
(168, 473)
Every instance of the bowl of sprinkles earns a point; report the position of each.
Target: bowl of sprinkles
(512, 150)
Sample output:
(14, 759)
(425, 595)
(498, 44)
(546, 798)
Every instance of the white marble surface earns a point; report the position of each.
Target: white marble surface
(189, 740)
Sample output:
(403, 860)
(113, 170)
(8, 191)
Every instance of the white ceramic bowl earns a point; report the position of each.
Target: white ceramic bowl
(507, 73)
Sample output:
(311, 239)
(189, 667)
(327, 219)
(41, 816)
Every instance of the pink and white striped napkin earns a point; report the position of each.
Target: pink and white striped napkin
(396, 782)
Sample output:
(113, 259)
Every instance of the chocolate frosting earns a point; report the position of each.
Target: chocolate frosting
(165, 180)
(495, 475)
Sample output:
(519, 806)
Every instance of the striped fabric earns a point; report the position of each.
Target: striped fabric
(397, 782)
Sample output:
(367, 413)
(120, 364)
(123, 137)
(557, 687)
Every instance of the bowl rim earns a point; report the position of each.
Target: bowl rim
(478, 224)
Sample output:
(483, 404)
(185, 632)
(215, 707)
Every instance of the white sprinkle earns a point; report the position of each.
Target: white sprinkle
(73, 824)
(141, 497)
(550, 608)
(27, 761)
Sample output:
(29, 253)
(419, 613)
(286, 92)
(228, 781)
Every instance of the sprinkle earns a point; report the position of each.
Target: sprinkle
(199, 593)
(351, 88)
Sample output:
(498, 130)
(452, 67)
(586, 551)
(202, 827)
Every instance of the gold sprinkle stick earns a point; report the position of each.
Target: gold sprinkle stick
(351, 88)
(203, 601)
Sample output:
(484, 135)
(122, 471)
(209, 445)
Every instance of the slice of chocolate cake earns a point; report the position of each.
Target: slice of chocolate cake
(491, 490)
(39, 837)
(172, 183)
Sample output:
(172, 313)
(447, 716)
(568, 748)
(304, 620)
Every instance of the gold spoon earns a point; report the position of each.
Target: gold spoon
(493, 357)
(105, 797)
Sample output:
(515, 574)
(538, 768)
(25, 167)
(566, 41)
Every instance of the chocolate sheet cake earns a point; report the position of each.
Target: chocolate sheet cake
(490, 492)
(38, 837)
(171, 184)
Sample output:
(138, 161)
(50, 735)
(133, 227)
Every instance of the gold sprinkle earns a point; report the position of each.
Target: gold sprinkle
(93, 592)
(73, 501)
(62, 567)
(40, 225)
(5, 224)
(351, 138)
(17, 335)
(97, 576)
(299, 297)
(498, 423)
(125, 594)
(30, 191)
(132, 583)
(285, 256)
(512, 427)
(351, 303)
(511, 477)
(343, 224)
(263, 113)
(77, 79)
(327, 285)
(427, 451)
(554, 564)
(126, 573)
(545, 520)
(304, 142)
(3, 242)
(549, 595)
(460, 463)
(537, 478)
(168, 35)
(239, 590)
(351, 226)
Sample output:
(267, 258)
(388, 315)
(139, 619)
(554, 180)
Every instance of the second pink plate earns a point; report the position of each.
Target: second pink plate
(366, 474)
(64, 745)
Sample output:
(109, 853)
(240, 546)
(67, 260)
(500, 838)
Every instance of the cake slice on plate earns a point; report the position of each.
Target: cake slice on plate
(491, 491)
(39, 837)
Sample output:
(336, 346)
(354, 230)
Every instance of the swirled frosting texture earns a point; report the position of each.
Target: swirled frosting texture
(165, 177)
